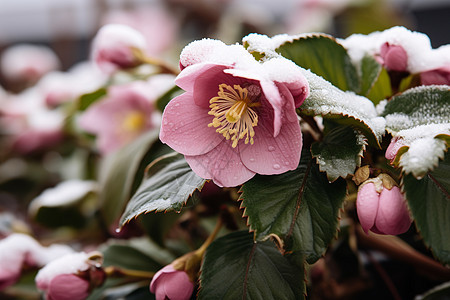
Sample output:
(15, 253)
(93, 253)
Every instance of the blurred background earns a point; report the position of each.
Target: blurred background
(68, 27)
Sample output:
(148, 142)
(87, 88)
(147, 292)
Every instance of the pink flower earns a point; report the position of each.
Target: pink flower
(382, 210)
(70, 277)
(28, 63)
(20, 251)
(114, 46)
(172, 284)
(392, 149)
(237, 116)
(436, 76)
(394, 57)
(122, 116)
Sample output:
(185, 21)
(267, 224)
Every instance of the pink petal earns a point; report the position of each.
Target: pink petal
(367, 205)
(68, 287)
(172, 284)
(437, 76)
(222, 164)
(393, 148)
(393, 216)
(273, 155)
(203, 81)
(185, 127)
(272, 94)
(394, 57)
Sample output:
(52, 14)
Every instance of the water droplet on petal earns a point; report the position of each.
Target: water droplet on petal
(118, 230)
(252, 159)
(271, 148)
(170, 124)
(286, 163)
(276, 166)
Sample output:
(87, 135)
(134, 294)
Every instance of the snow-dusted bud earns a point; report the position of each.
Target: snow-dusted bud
(71, 277)
(394, 57)
(116, 46)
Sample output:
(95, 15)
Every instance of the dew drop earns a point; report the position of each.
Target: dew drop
(170, 124)
(286, 163)
(276, 166)
(252, 159)
(177, 104)
(118, 230)
(271, 148)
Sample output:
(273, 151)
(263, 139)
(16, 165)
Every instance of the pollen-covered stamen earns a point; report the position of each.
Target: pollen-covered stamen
(234, 117)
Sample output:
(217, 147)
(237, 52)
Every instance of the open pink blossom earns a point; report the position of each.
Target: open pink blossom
(394, 57)
(114, 47)
(237, 116)
(382, 210)
(437, 76)
(172, 284)
(123, 115)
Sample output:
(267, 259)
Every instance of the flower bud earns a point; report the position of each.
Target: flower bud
(382, 209)
(115, 47)
(394, 57)
(169, 283)
(71, 277)
(436, 76)
(392, 149)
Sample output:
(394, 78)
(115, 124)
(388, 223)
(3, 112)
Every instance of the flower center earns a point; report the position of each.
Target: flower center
(134, 121)
(233, 115)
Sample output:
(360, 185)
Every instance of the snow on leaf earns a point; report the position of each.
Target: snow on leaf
(329, 101)
(420, 119)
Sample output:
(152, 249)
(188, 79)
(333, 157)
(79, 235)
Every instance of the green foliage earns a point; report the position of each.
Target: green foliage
(236, 267)
(118, 174)
(300, 206)
(87, 99)
(324, 56)
(340, 152)
(429, 201)
(158, 191)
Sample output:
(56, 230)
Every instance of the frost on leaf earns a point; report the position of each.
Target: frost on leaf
(331, 102)
(420, 119)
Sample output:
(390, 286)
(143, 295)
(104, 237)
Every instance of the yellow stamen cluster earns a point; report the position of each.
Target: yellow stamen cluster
(134, 121)
(234, 117)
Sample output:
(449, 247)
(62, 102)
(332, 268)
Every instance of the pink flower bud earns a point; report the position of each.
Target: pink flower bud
(172, 284)
(394, 57)
(436, 76)
(114, 46)
(392, 149)
(68, 287)
(381, 210)
(71, 276)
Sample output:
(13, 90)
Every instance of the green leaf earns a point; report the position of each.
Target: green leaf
(162, 101)
(300, 206)
(168, 184)
(370, 70)
(236, 267)
(87, 99)
(324, 56)
(118, 173)
(382, 88)
(340, 152)
(419, 119)
(429, 201)
(343, 107)
(135, 254)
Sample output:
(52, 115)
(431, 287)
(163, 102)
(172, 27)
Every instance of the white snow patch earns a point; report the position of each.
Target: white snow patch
(65, 193)
(68, 264)
(423, 154)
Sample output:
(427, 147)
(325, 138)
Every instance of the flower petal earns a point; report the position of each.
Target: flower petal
(367, 205)
(185, 127)
(68, 287)
(393, 216)
(222, 164)
(273, 155)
